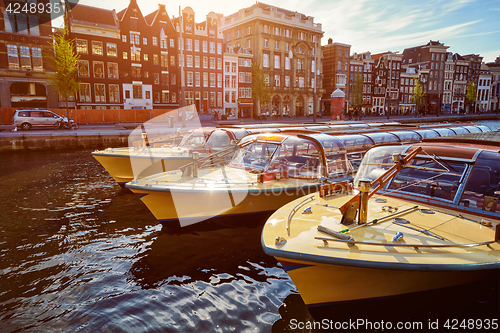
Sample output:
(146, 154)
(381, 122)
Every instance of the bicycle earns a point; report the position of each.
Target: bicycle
(62, 124)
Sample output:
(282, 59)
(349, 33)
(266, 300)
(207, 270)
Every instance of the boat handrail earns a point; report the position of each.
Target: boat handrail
(293, 211)
(415, 246)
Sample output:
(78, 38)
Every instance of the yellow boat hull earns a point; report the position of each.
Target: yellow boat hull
(322, 284)
(125, 167)
(189, 206)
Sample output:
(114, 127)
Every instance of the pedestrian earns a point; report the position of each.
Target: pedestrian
(356, 114)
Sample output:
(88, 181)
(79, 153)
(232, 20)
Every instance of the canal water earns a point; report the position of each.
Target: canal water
(79, 253)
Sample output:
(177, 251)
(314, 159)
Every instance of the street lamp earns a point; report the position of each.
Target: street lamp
(315, 78)
(290, 55)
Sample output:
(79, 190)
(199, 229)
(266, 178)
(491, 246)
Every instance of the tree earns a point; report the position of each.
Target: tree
(418, 94)
(471, 94)
(357, 91)
(64, 62)
(260, 85)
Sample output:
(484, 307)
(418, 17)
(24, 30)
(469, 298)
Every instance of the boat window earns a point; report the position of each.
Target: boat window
(254, 156)
(473, 129)
(460, 130)
(218, 140)
(299, 157)
(428, 133)
(484, 128)
(444, 131)
(407, 136)
(377, 161)
(434, 178)
(239, 133)
(382, 137)
(195, 139)
(483, 187)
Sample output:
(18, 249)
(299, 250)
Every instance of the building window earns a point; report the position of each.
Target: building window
(83, 68)
(205, 79)
(164, 79)
(111, 50)
(219, 48)
(265, 42)
(13, 56)
(24, 51)
(219, 63)
(212, 79)
(249, 77)
(197, 79)
(189, 97)
(137, 91)
(277, 62)
(248, 92)
(124, 38)
(172, 45)
(276, 45)
(212, 100)
(241, 93)
(212, 63)
(112, 70)
(114, 93)
(136, 72)
(36, 53)
(219, 99)
(197, 61)
(99, 91)
(125, 55)
(156, 78)
(164, 96)
(277, 80)
(174, 97)
(189, 79)
(241, 76)
(212, 47)
(145, 56)
(135, 56)
(85, 92)
(196, 45)
(205, 62)
(97, 48)
(155, 59)
(265, 60)
(155, 41)
(189, 60)
(205, 46)
(82, 46)
(300, 64)
(189, 44)
(172, 60)
(219, 80)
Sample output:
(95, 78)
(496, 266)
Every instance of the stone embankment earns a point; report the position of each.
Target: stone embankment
(117, 135)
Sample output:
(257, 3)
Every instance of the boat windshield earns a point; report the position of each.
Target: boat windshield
(256, 155)
(377, 161)
(196, 139)
(483, 187)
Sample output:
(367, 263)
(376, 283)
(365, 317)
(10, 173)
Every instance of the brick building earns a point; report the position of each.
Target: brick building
(24, 44)
(336, 58)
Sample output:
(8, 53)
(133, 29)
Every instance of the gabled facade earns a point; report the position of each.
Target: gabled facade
(483, 89)
(362, 63)
(201, 61)
(495, 85)
(24, 44)
(386, 92)
(460, 82)
(430, 57)
(96, 33)
(238, 102)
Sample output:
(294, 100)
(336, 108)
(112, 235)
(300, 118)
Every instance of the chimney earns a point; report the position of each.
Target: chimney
(330, 40)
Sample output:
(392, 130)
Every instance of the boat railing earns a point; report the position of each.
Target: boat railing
(294, 210)
(351, 242)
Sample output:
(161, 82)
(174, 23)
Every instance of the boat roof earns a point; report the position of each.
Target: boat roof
(455, 147)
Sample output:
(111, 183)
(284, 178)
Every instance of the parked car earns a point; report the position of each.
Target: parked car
(27, 119)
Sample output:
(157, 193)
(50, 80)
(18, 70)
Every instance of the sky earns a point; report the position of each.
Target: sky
(466, 26)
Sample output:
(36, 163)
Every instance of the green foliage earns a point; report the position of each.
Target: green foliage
(357, 91)
(64, 63)
(260, 88)
(418, 94)
(471, 92)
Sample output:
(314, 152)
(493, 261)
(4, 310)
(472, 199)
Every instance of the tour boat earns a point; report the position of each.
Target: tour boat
(420, 216)
(266, 172)
(148, 156)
